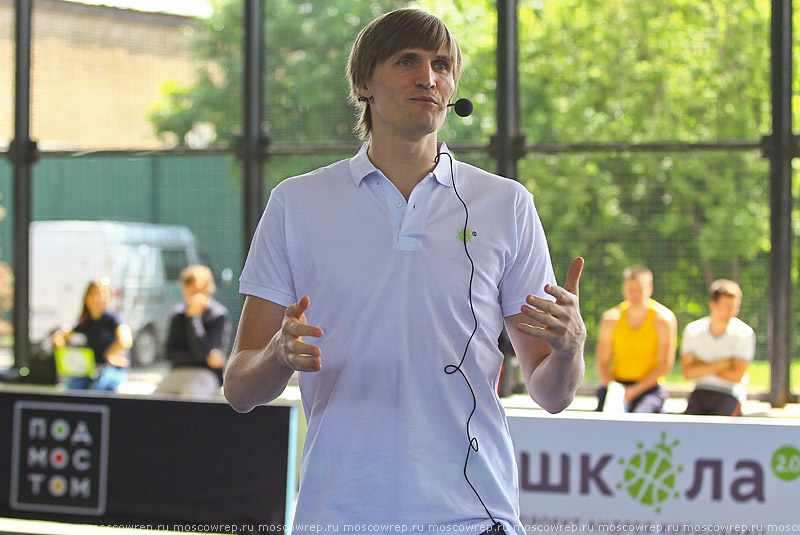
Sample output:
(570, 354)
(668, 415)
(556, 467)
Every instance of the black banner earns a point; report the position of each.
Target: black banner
(155, 463)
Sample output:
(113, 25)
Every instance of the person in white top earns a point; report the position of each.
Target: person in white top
(404, 264)
(716, 352)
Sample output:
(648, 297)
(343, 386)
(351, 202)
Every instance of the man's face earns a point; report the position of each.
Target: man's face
(637, 290)
(411, 91)
(725, 308)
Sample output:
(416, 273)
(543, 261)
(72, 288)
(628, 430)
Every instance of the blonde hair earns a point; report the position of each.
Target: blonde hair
(388, 34)
(200, 275)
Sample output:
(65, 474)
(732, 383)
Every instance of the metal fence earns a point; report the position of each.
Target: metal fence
(614, 198)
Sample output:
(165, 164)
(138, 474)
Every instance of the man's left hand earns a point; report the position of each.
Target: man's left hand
(559, 322)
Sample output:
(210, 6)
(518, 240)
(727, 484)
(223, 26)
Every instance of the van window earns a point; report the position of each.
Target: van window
(174, 262)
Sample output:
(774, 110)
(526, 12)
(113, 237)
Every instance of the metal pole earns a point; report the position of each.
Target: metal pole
(22, 153)
(254, 142)
(783, 148)
(507, 146)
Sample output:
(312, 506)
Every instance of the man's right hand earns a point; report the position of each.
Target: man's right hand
(290, 347)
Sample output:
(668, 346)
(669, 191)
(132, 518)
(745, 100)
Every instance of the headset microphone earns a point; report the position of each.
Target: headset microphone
(463, 107)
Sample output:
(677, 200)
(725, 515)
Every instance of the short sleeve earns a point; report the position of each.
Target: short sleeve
(530, 269)
(749, 346)
(686, 341)
(267, 271)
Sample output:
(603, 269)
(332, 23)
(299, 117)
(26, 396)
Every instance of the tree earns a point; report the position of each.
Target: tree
(630, 71)
(590, 71)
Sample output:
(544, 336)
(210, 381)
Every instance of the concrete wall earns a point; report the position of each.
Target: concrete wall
(96, 72)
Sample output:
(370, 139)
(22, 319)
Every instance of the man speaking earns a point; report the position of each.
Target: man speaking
(385, 280)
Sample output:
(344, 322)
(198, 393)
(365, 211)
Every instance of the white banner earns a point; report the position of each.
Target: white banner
(600, 473)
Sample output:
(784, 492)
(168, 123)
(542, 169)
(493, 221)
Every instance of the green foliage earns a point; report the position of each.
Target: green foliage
(474, 23)
(645, 71)
(307, 44)
(631, 71)
(590, 71)
(215, 98)
(305, 87)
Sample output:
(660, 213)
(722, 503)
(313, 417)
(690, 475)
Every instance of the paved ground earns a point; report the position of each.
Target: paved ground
(144, 382)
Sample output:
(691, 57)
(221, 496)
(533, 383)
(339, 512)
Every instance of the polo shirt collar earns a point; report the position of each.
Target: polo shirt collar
(361, 167)
(442, 169)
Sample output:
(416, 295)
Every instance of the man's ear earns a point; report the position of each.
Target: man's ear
(364, 95)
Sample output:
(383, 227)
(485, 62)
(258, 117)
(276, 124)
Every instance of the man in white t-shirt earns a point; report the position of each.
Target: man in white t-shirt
(404, 264)
(716, 352)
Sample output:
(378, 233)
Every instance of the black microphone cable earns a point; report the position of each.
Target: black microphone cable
(451, 368)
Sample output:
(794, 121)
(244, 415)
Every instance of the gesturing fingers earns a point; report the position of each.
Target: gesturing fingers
(574, 276)
(297, 310)
(296, 353)
(545, 333)
(303, 357)
(558, 322)
(297, 328)
(537, 306)
(552, 317)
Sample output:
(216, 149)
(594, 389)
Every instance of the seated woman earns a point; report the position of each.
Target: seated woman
(106, 335)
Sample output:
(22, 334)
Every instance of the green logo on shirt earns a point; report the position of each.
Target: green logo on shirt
(466, 237)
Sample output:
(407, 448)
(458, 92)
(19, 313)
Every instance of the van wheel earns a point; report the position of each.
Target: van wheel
(145, 347)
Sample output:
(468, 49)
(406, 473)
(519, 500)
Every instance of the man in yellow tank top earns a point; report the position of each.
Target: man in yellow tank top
(636, 345)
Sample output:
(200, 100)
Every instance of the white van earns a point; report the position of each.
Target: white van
(142, 261)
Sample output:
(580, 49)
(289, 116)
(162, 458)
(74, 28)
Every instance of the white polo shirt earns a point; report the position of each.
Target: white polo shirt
(738, 341)
(389, 286)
